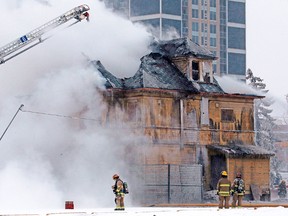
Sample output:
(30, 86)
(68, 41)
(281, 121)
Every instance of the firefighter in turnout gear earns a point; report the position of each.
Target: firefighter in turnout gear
(238, 190)
(223, 190)
(119, 193)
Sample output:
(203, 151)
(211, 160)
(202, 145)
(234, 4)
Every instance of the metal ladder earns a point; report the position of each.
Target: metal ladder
(79, 13)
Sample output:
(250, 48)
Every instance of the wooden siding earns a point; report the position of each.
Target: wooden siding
(254, 171)
(171, 123)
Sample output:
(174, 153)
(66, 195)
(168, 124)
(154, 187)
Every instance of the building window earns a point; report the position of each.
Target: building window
(223, 68)
(185, 3)
(236, 12)
(237, 63)
(195, 27)
(137, 7)
(195, 39)
(184, 10)
(195, 71)
(195, 13)
(212, 3)
(236, 38)
(212, 15)
(213, 42)
(214, 66)
(184, 24)
(185, 31)
(171, 7)
(227, 115)
(169, 24)
(212, 29)
(195, 2)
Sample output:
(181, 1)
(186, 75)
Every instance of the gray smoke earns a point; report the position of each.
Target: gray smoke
(55, 149)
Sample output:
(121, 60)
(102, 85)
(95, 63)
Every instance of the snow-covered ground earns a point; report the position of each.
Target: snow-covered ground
(156, 211)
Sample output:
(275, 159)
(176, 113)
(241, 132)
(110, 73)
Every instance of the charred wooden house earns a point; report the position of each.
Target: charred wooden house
(188, 119)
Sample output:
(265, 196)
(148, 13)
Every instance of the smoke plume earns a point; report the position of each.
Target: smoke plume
(55, 149)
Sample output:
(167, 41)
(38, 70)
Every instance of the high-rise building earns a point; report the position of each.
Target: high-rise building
(219, 25)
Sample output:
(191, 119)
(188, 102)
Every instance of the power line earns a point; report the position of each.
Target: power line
(151, 127)
(59, 115)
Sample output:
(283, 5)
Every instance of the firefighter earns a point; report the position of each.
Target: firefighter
(223, 190)
(87, 15)
(119, 193)
(282, 191)
(238, 190)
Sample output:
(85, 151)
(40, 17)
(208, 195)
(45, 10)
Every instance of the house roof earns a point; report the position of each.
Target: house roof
(111, 80)
(243, 151)
(208, 87)
(159, 72)
(182, 47)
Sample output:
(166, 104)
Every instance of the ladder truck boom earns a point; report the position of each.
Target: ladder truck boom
(34, 37)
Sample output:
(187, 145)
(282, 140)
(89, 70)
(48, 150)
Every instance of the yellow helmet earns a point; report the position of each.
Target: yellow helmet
(224, 173)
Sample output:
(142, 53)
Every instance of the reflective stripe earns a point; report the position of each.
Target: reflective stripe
(224, 193)
(224, 185)
(240, 193)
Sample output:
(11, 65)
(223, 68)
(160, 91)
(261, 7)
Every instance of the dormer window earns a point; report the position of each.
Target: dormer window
(207, 72)
(195, 71)
(200, 70)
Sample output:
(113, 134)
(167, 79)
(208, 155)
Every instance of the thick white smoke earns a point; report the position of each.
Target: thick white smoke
(48, 154)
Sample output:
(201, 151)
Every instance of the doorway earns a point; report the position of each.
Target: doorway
(218, 164)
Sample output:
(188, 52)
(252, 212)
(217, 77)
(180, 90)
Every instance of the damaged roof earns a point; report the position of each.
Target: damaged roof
(111, 80)
(157, 71)
(182, 47)
(243, 151)
(209, 87)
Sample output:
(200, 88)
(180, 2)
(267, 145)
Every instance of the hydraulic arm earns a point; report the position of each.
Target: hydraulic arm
(34, 37)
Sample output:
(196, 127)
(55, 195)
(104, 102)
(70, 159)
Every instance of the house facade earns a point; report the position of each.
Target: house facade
(176, 103)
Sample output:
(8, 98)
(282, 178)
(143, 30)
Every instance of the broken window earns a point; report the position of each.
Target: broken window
(206, 71)
(195, 71)
(227, 115)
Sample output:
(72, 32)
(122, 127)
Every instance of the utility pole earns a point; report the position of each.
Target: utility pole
(11, 121)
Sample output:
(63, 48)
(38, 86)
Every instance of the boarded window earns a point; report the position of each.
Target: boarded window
(205, 111)
(227, 115)
(133, 111)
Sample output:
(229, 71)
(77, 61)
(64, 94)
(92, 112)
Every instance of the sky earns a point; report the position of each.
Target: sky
(52, 84)
(266, 43)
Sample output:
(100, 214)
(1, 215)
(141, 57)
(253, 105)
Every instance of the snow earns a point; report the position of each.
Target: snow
(158, 211)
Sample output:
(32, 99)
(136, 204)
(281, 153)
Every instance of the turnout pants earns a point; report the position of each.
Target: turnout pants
(119, 200)
(237, 199)
(224, 201)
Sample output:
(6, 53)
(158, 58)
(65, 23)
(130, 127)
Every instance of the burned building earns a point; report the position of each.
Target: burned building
(188, 119)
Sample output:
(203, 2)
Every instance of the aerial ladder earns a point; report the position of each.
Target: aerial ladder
(35, 37)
